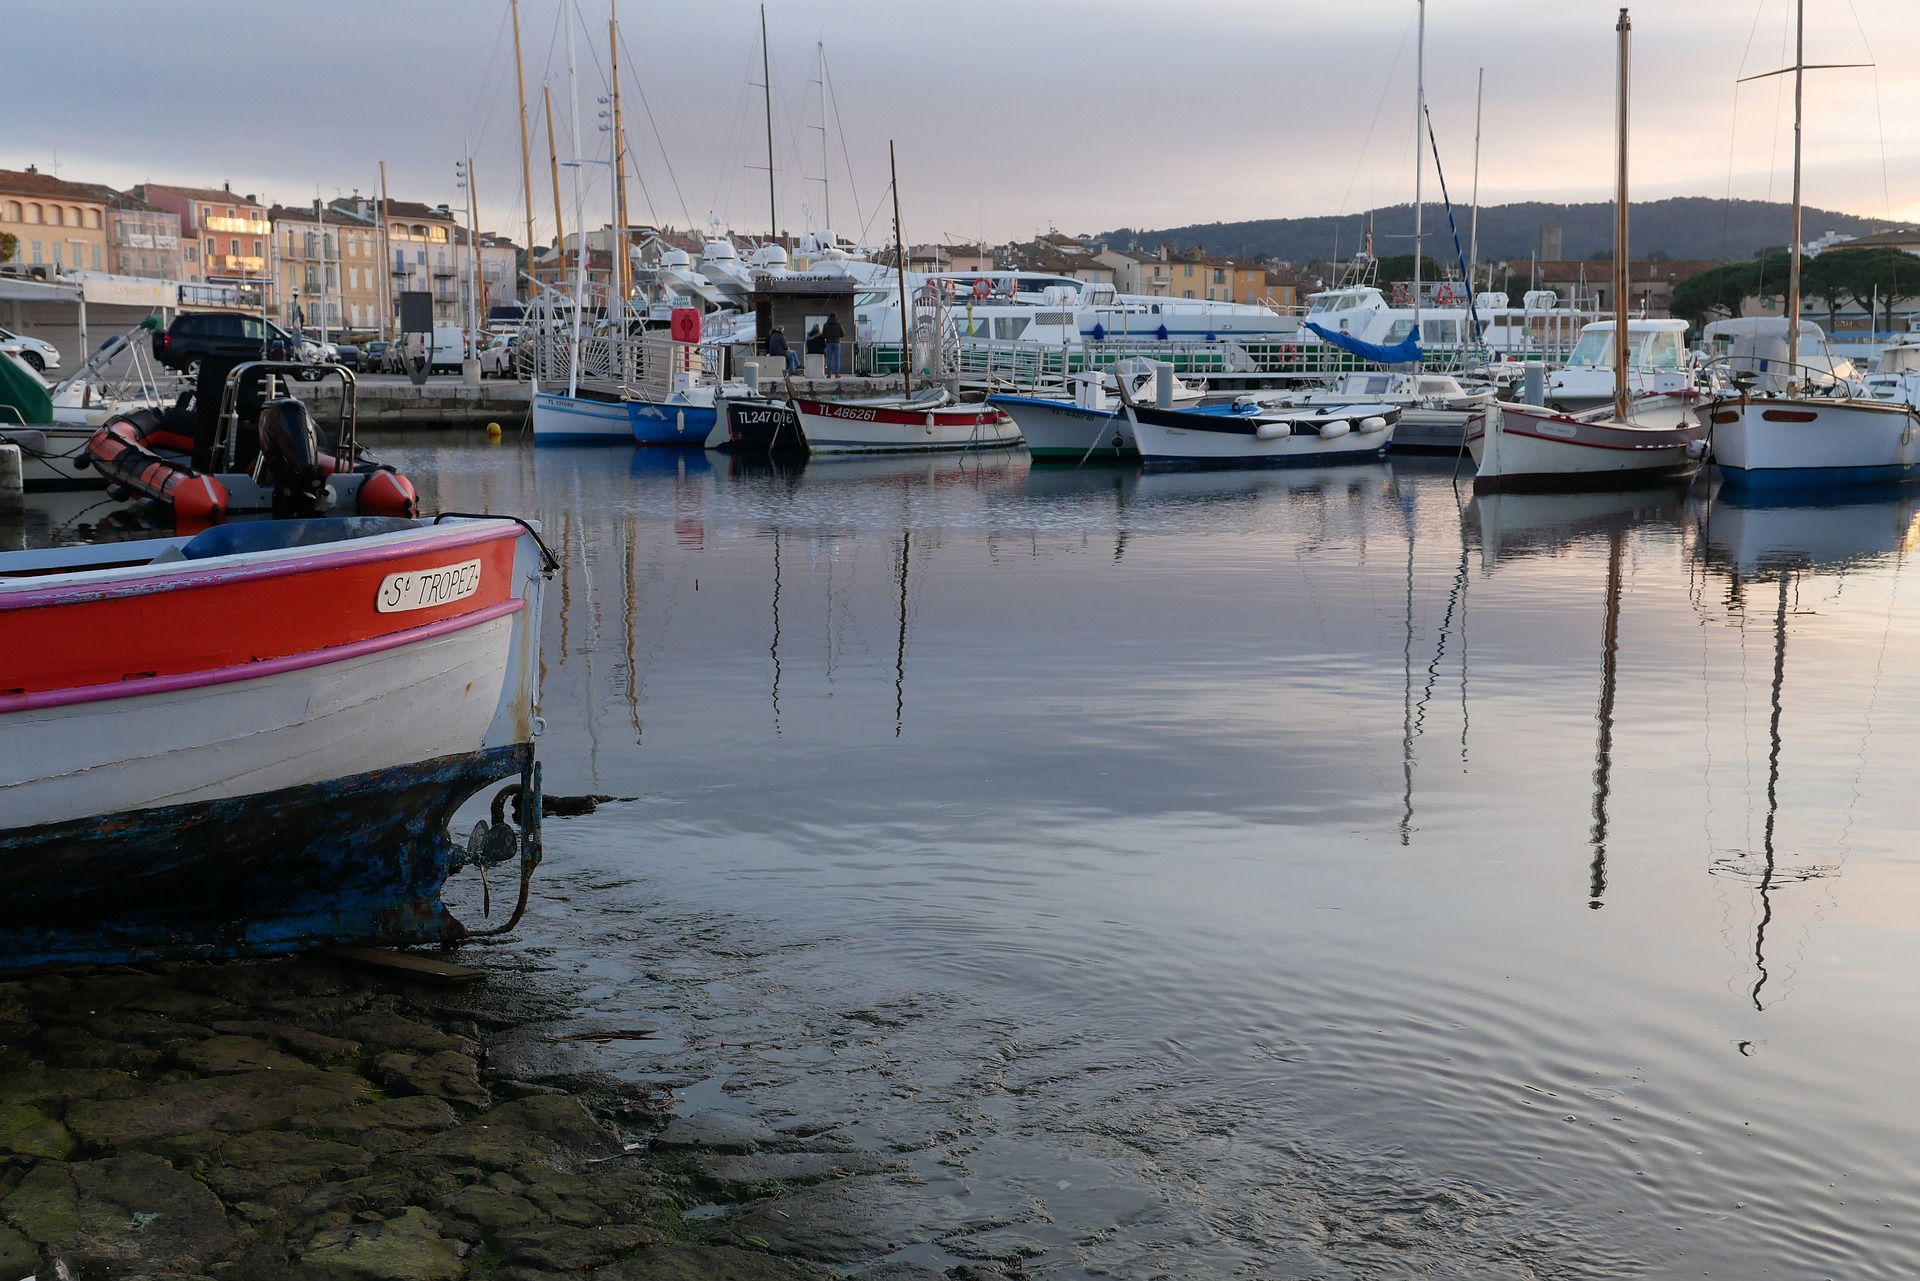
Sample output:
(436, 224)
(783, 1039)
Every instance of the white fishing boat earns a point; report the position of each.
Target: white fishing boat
(926, 421)
(1626, 442)
(1434, 408)
(1896, 374)
(1811, 434)
(1658, 365)
(1262, 437)
(1089, 424)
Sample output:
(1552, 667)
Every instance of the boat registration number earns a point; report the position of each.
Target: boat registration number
(425, 588)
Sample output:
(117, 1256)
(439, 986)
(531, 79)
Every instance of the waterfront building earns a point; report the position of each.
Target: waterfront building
(224, 235)
(58, 224)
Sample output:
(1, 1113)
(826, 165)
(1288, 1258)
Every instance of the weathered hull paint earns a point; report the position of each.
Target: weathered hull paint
(356, 859)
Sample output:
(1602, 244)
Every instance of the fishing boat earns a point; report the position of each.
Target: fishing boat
(1256, 437)
(928, 420)
(1629, 441)
(756, 424)
(1658, 365)
(1088, 424)
(252, 740)
(1808, 435)
(267, 454)
(1434, 408)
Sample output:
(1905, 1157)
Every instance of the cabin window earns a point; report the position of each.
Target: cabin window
(1440, 331)
(1009, 326)
(1375, 385)
(1663, 351)
(1593, 351)
(1396, 335)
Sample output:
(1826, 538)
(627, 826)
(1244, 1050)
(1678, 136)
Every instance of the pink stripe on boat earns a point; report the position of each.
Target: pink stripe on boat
(249, 671)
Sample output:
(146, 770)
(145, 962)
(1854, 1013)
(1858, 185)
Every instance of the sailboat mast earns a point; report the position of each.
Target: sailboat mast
(826, 177)
(1620, 251)
(766, 85)
(1793, 248)
(1473, 234)
(900, 261)
(1419, 157)
(579, 222)
(618, 249)
(553, 160)
(526, 154)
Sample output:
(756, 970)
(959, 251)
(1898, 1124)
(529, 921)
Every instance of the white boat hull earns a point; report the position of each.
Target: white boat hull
(1060, 429)
(570, 420)
(1189, 444)
(1789, 444)
(843, 427)
(1521, 447)
(396, 707)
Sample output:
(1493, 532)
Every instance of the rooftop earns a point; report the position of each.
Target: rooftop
(31, 182)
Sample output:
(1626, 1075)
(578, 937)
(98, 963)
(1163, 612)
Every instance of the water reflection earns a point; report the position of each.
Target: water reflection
(1222, 880)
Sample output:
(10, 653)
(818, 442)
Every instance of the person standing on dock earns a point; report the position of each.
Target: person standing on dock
(831, 333)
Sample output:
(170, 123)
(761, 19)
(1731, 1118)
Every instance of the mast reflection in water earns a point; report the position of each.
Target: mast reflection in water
(1175, 931)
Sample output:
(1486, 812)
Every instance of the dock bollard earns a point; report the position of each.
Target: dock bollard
(1533, 384)
(1163, 385)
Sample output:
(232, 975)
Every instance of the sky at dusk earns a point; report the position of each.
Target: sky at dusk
(1009, 117)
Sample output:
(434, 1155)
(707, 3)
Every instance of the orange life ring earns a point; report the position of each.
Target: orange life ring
(982, 288)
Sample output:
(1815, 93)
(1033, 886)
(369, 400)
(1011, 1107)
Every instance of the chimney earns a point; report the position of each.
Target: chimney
(226, 186)
(33, 169)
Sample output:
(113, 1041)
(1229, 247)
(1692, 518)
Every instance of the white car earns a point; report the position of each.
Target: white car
(496, 359)
(41, 355)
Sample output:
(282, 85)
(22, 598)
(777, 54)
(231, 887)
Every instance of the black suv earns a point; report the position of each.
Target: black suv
(223, 334)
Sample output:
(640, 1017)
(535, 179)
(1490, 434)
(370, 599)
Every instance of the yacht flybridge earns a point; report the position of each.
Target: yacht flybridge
(1540, 326)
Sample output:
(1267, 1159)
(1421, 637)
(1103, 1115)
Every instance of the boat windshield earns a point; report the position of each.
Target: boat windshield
(1324, 303)
(1593, 351)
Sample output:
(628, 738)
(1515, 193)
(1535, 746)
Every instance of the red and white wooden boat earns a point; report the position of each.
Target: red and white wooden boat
(252, 740)
(1519, 447)
(929, 421)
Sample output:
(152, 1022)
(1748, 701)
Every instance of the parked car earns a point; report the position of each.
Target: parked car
(373, 355)
(497, 358)
(347, 354)
(37, 353)
(228, 335)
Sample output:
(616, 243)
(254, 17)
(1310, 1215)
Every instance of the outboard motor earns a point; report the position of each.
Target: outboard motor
(290, 459)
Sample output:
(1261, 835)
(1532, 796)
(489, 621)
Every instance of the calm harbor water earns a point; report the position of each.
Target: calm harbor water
(1250, 874)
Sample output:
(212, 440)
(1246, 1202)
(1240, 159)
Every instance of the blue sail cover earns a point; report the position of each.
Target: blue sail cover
(1406, 352)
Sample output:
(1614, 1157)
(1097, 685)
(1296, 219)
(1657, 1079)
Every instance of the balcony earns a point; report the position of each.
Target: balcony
(235, 262)
(238, 226)
(446, 271)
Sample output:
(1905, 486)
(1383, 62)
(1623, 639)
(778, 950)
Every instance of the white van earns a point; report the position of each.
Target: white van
(448, 344)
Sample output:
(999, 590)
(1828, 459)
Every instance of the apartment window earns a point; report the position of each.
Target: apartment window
(1219, 277)
(256, 249)
(36, 252)
(58, 250)
(13, 211)
(231, 214)
(96, 257)
(93, 217)
(1187, 294)
(1189, 276)
(233, 246)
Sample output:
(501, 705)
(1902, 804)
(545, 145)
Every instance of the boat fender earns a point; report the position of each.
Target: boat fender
(1335, 429)
(1272, 431)
(1696, 449)
(387, 493)
(1371, 424)
(199, 500)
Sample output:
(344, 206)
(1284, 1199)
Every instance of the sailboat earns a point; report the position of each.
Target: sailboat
(1532, 447)
(1797, 440)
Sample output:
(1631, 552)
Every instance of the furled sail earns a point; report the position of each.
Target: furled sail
(1406, 352)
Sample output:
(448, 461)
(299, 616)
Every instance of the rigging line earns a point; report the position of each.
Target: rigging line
(1733, 132)
(1879, 116)
(640, 89)
(826, 74)
(1773, 794)
(1385, 88)
(1779, 104)
(488, 78)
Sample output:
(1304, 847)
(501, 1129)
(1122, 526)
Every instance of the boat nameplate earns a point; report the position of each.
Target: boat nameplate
(426, 588)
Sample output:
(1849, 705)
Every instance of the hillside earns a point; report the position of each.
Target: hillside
(1693, 227)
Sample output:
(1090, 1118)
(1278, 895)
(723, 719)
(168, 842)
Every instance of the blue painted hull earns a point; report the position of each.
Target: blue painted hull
(669, 423)
(354, 860)
(1814, 479)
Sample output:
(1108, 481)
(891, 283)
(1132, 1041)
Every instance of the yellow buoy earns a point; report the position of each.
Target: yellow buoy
(493, 431)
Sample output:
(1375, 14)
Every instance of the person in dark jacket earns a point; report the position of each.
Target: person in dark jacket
(831, 333)
(777, 346)
(816, 345)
